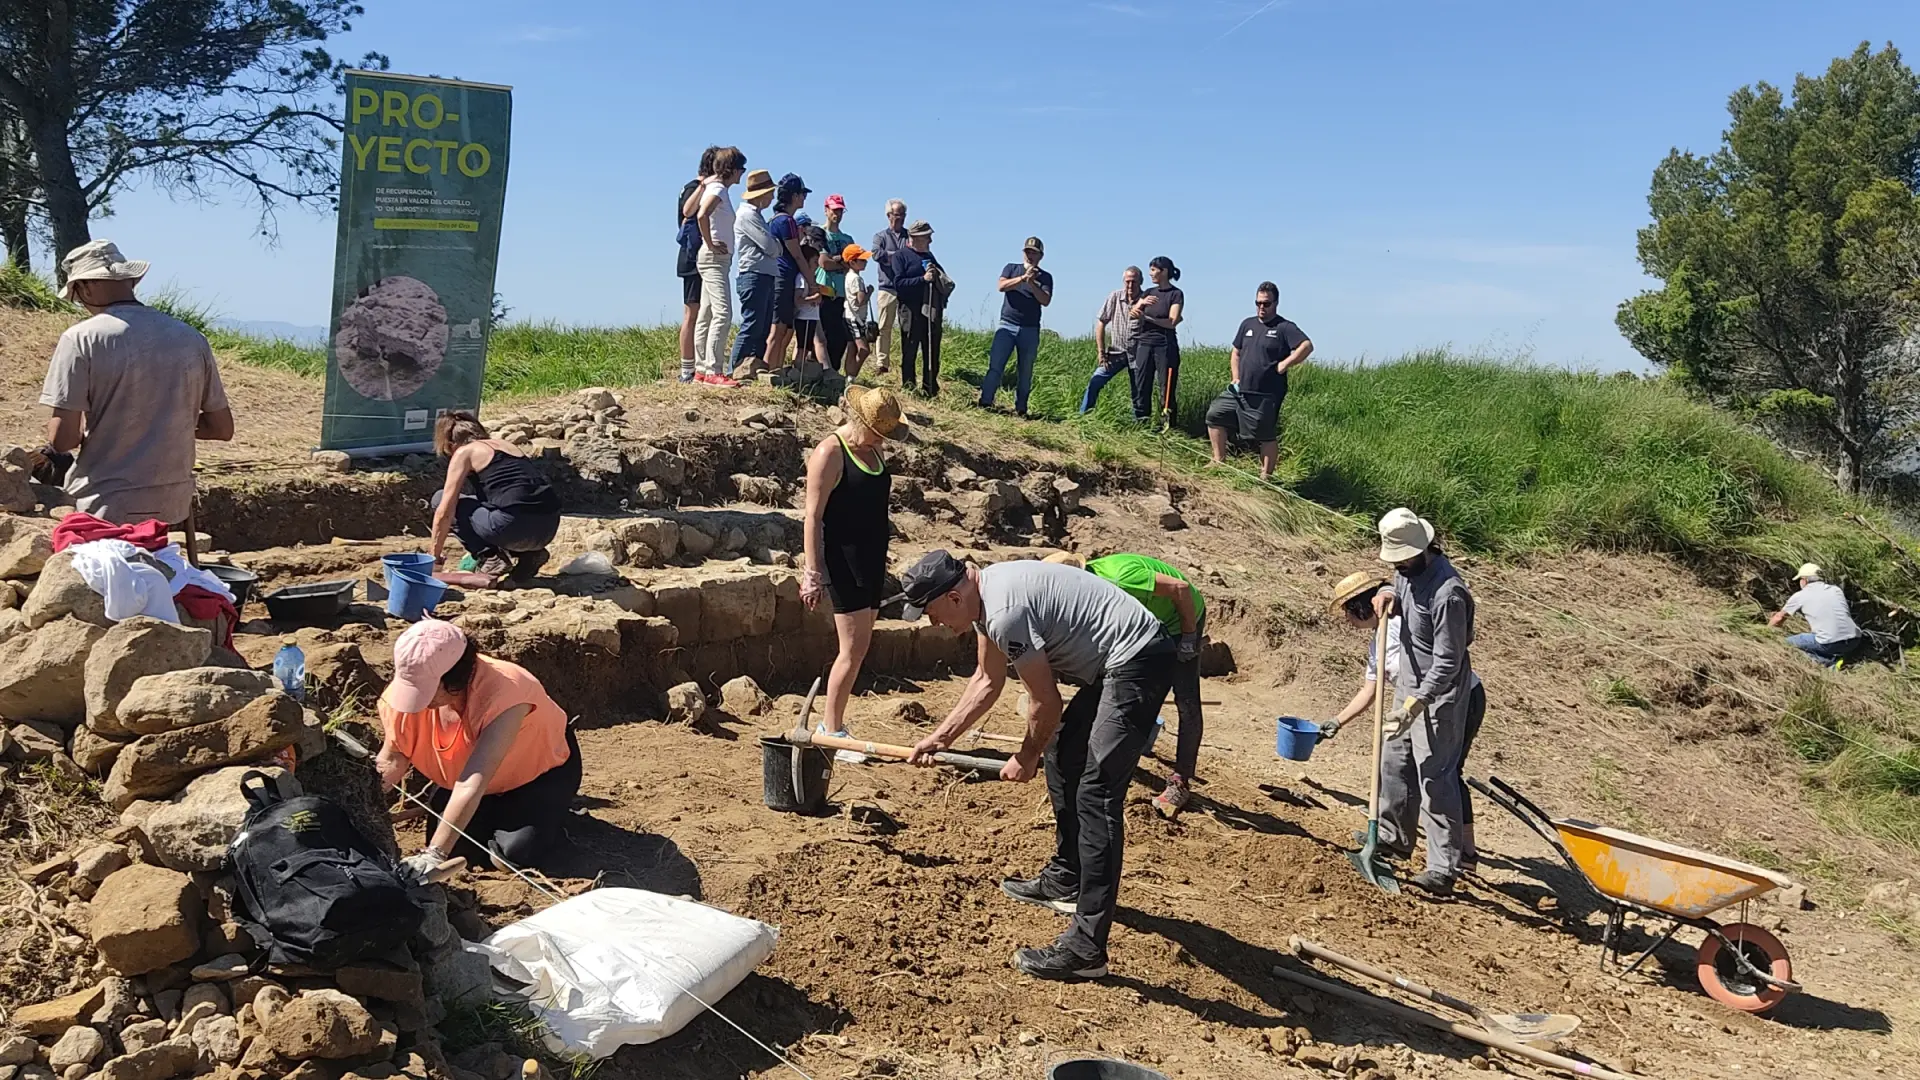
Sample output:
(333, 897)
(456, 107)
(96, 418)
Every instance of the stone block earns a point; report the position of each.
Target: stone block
(43, 674)
(145, 918)
(130, 649)
(198, 695)
(735, 607)
(162, 764)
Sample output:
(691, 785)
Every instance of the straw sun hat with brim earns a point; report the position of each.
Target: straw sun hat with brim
(98, 260)
(759, 182)
(1067, 558)
(1358, 583)
(878, 409)
(1404, 535)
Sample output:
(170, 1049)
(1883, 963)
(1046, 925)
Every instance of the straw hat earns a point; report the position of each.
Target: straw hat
(759, 182)
(1404, 535)
(878, 409)
(98, 260)
(1354, 584)
(1067, 558)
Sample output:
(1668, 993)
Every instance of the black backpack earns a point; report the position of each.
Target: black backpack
(311, 889)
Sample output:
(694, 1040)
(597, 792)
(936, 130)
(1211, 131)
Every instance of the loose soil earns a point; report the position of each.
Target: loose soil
(895, 937)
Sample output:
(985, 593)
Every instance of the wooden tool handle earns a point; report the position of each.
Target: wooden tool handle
(1382, 975)
(447, 869)
(1379, 714)
(894, 752)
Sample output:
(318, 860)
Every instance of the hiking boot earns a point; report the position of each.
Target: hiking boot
(1174, 799)
(1037, 892)
(494, 566)
(1433, 882)
(526, 564)
(1059, 963)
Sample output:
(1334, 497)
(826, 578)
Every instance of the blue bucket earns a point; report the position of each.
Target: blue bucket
(1295, 738)
(418, 562)
(411, 594)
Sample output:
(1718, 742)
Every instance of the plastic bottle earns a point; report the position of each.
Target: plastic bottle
(290, 669)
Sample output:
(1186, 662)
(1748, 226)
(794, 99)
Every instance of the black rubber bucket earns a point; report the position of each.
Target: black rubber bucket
(794, 779)
(1101, 1069)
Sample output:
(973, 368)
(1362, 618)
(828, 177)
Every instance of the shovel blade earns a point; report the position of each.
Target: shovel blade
(1367, 861)
(1536, 1027)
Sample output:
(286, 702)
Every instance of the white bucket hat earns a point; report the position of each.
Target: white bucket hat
(1403, 535)
(98, 260)
(1808, 572)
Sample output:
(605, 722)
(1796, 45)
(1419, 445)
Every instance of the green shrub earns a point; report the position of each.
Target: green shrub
(28, 291)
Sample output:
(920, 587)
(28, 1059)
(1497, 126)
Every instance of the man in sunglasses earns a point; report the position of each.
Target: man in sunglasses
(1265, 348)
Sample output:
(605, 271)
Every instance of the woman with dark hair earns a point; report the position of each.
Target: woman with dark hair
(502, 760)
(687, 241)
(1156, 345)
(512, 514)
(713, 219)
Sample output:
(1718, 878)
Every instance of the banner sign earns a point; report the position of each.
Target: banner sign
(423, 180)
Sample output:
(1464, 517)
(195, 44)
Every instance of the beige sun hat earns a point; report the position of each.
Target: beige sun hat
(1808, 572)
(1067, 558)
(877, 408)
(1354, 584)
(1403, 535)
(98, 260)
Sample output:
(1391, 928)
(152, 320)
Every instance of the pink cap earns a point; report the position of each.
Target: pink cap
(426, 651)
(836, 202)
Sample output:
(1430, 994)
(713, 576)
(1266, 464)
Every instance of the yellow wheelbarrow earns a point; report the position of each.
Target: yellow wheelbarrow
(1739, 965)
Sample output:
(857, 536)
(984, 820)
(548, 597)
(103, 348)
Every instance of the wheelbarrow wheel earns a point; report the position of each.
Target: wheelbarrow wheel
(1722, 977)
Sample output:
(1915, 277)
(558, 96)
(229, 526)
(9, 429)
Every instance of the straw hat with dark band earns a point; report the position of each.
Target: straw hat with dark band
(1358, 583)
(878, 409)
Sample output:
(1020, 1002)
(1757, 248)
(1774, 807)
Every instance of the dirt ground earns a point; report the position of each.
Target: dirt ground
(895, 938)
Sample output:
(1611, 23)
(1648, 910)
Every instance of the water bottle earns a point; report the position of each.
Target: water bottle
(290, 669)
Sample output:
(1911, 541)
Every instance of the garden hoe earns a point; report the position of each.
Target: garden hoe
(1368, 857)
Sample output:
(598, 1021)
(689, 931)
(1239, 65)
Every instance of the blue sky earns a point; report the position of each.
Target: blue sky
(1411, 174)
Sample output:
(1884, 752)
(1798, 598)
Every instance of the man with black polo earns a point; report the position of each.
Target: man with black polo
(1265, 348)
(1054, 624)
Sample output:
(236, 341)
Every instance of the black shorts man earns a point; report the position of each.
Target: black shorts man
(1054, 624)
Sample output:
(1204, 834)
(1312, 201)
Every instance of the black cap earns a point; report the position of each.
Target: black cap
(934, 576)
(791, 182)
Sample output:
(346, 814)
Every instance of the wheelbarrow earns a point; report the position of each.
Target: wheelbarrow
(1738, 964)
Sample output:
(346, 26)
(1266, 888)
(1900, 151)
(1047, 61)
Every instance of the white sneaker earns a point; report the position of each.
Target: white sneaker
(845, 757)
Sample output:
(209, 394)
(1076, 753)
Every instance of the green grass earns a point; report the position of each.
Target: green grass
(1864, 777)
(1617, 692)
(29, 291)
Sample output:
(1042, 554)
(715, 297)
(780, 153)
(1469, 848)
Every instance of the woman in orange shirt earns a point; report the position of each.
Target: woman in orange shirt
(501, 757)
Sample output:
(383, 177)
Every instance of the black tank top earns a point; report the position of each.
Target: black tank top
(856, 513)
(509, 483)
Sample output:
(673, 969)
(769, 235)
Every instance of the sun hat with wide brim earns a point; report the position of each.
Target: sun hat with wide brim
(878, 409)
(1404, 535)
(98, 260)
(759, 182)
(1358, 583)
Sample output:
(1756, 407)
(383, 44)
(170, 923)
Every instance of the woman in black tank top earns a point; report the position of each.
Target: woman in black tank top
(847, 530)
(512, 513)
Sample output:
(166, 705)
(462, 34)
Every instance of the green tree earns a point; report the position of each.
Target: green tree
(1790, 260)
(190, 93)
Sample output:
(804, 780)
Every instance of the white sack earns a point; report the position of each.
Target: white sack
(613, 967)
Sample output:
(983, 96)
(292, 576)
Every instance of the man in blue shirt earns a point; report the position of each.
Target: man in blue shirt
(789, 197)
(922, 286)
(1024, 290)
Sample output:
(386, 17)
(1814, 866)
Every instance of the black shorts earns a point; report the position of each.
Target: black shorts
(690, 289)
(856, 576)
(803, 334)
(783, 299)
(1253, 418)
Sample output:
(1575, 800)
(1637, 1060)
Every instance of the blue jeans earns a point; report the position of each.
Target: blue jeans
(1005, 340)
(1110, 366)
(1828, 654)
(756, 317)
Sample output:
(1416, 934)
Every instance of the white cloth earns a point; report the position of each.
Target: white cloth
(1825, 607)
(123, 575)
(185, 573)
(722, 220)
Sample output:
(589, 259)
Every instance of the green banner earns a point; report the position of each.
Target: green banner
(423, 180)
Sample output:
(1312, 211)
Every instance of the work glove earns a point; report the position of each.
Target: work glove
(1189, 647)
(1403, 716)
(414, 869)
(1329, 728)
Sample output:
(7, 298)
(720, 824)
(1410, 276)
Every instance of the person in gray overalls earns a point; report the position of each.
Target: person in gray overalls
(1440, 704)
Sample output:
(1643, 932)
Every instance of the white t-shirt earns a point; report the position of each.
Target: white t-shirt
(1825, 606)
(802, 310)
(722, 211)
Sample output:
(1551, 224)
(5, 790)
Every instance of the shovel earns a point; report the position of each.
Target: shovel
(893, 752)
(1367, 859)
(1521, 1027)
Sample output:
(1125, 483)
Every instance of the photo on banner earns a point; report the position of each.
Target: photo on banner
(423, 182)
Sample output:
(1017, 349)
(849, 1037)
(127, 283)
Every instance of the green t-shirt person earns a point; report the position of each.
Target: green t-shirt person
(1137, 575)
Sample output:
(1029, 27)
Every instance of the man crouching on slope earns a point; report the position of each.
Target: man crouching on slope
(1054, 624)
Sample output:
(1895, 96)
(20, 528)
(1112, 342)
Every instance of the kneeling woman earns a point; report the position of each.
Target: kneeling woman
(512, 515)
(502, 760)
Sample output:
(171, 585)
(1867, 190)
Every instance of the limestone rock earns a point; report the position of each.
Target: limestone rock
(597, 399)
(118, 1001)
(79, 1046)
(686, 704)
(1160, 510)
(219, 1038)
(269, 1000)
(333, 461)
(100, 861)
(48, 1018)
(742, 697)
(162, 764)
(129, 650)
(382, 982)
(223, 968)
(60, 592)
(145, 918)
(759, 489)
(1066, 494)
(142, 1034)
(736, 606)
(192, 830)
(24, 548)
(658, 534)
(1897, 898)
(35, 740)
(16, 489)
(667, 469)
(696, 541)
(197, 695)
(43, 674)
(162, 1061)
(596, 458)
(323, 1024)
(17, 1050)
(204, 993)
(93, 751)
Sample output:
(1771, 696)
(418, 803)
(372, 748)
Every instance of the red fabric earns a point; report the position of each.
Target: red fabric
(199, 603)
(80, 527)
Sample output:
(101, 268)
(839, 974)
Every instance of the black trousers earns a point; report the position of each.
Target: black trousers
(920, 338)
(833, 323)
(1156, 360)
(526, 823)
(1102, 735)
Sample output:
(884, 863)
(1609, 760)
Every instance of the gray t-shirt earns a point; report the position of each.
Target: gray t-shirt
(753, 243)
(142, 378)
(1083, 625)
(1825, 607)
